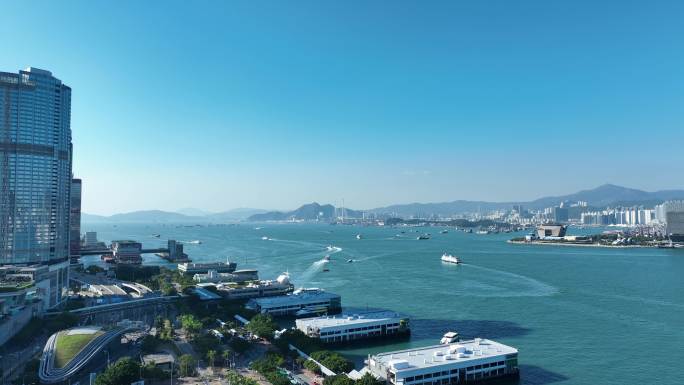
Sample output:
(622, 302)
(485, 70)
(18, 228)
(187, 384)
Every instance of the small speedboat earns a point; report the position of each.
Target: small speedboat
(448, 258)
(423, 237)
(350, 260)
(358, 236)
(264, 238)
(326, 258)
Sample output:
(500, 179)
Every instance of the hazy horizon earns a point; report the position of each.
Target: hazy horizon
(270, 106)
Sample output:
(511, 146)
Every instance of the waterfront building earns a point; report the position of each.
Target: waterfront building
(90, 239)
(456, 363)
(35, 172)
(302, 302)
(350, 327)
(281, 286)
(551, 230)
(75, 221)
(127, 252)
(203, 268)
(671, 214)
(212, 276)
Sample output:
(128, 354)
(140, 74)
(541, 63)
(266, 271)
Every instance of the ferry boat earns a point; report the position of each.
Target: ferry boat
(423, 237)
(449, 337)
(448, 258)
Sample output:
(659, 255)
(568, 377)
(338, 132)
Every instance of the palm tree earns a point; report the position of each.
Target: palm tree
(226, 357)
(211, 356)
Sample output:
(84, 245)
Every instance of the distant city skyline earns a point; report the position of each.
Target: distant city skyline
(270, 106)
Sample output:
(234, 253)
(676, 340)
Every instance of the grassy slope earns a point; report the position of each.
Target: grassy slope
(68, 346)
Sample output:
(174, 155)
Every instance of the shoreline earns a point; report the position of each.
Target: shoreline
(577, 244)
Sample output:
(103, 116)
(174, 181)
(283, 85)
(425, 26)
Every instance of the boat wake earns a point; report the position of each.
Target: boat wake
(499, 283)
(312, 270)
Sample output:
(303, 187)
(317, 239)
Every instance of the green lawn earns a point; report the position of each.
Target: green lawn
(68, 346)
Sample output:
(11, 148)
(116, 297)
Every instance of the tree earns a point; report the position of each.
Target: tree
(368, 379)
(312, 366)
(226, 357)
(186, 364)
(190, 324)
(340, 379)
(124, 371)
(333, 361)
(211, 356)
(262, 325)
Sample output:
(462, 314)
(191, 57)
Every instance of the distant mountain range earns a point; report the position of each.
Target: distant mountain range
(308, 212)
(600, 197)
(183, 215)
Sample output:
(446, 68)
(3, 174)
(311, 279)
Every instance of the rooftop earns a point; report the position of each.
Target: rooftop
(302, 295)
(349, 319)
(437, 355)
(158, 359)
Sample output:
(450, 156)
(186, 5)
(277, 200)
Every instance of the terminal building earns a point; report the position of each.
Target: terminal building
(301, 303)
(256, 289)
(350, 327)
(457, 363)
(213, 276)
(203, 268)
(127, 252)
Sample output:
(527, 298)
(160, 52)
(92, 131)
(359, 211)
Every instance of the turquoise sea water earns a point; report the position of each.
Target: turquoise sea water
(578, 315)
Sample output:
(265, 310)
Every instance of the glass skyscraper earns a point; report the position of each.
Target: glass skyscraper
(35, 167)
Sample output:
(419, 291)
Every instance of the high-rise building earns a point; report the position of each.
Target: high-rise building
(75, 221)
(35, 170)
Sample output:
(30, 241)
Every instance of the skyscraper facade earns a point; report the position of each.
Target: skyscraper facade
(75, 221)
(35, 170)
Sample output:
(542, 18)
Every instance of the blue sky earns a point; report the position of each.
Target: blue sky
(217, 105)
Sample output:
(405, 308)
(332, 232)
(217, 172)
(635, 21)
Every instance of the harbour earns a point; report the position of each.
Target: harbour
(503, 292)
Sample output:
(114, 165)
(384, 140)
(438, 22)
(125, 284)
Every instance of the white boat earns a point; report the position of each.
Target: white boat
(449, 338)
(448, 258)
(264, 238)
(330, 248)
(195, 242)
(444, 231)
(482, 232)
(423, 237)
(326, 258)
(358, 236)
(350, 260)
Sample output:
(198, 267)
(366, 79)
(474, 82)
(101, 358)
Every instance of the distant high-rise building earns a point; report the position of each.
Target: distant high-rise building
(560, 214)
(671, 213)
(75, 221)
(35, 166)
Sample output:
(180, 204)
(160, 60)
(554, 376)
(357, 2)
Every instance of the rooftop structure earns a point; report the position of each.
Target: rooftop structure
(237, 276)
(472, 360)
(280, 286)
(551, 230)
(301, 302)
(160, 360)
(348, 327)
(203, 268)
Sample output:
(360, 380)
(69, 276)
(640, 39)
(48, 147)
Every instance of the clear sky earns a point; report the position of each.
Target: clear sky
(224, 104)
